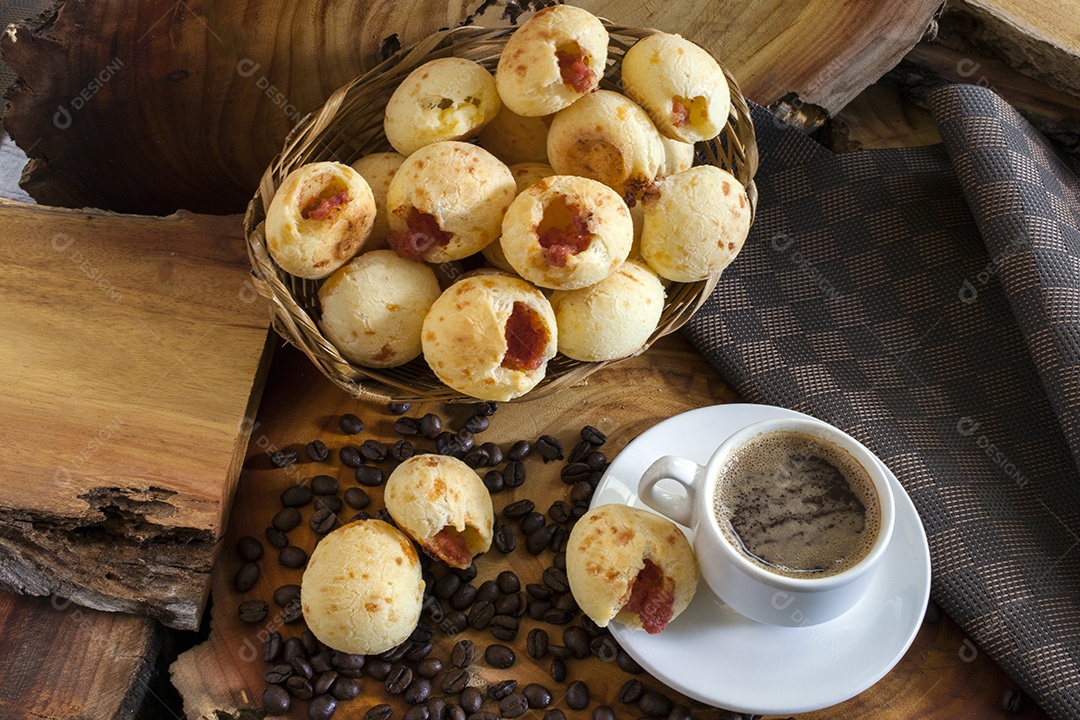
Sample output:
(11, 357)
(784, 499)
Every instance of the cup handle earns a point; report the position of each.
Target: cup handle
(677, 507)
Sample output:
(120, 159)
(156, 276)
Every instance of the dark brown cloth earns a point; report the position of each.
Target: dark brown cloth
(927, 301)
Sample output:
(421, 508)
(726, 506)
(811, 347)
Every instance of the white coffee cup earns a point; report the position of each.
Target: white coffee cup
(747, 587)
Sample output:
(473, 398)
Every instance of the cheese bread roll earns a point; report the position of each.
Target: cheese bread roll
(318, 219)
(516, 138)
(378, 170)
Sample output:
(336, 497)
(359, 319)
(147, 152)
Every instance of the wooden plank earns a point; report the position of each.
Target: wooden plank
(881, 116)
(131, 357)
(218, 86)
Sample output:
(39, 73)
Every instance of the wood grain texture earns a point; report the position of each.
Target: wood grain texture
(881, 116)
(185, 104)
(942, 677)
(131, 356)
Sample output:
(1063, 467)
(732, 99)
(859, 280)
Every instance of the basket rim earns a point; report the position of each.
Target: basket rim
(297, 326)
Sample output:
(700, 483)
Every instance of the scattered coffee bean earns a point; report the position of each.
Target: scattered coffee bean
(494, 453)
(345, 688)
(501, 689)
(536, 642)
(322, 707)
(481, 614)
(471, 700)
(540, 539)
(407, 426)
(396, 653)
(323, 682)
(631, 691)
(575, 473)
(538, 608)
(430, 426)
(555, 579)
(483, 715)
(417, 712)
(593, 435)
(557, 670)
(368, 475)
(402, 450)
(436, 708)
(627, 663)
(292, 557)
(510, 605)
(246, 577)
(504, 627)
(286, 594)
(575, 638)
(493, 481)
(566, 602)
(399, 678)
(287, 519)
(577, 695)
(324, 485)
(350, 456)
(577, 455)
(597, 461)
(253, 611)
(320, 662)
(539, 697)
(519, 451)
(604, 647)
(581, 492)
(373, 451)
(549, 448)
(577, 511)
(356, 498)
(487, 592)
(454, 622)
(559, 511)
(532, 521)
(418, 652)
(455, 681)
(317, 451)
(682, 712)
(418, 691)
(1012, 701)
(603, 712)
(276, 700)
(448, 443)
(463, 653)
(285, 458)
(249, 549)
(271, 646)
(328, 502)
(398, 408)
(299, 687)
(587, 622)
(487, 408)
(559, 560)
(654, 704)
(422, 633)
(504, 539)
(377, 668)
(499, 656)
(350, 424)
(429, 667)
(379, 712)
(292, 612)
(518, 509)
(446, 586)
(454, 712)
(477, 458)
(276, 538)
(477, 423)
(560, 651)
(514, 474)
(295, 496)
(513, 705)
(302, 667)
(277, 674)
(322, 521)
(385, 516)
(464, 597)
(554, 714)
(362, 516)
(557, 616)
(538, 591)
(467, 574)
(508, 582)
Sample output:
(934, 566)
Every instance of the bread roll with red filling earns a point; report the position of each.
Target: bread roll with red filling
(442, 504)
(444, 99)
(378, 169)
(490, 336)
(679, 84)
(607, 137)
(318, 219)
(556, 57)
(566, 232)
(695, 224)
(447, 201)
(362, 590)
(630, 565)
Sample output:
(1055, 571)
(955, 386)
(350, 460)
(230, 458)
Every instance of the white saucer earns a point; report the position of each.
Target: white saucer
(713, 654)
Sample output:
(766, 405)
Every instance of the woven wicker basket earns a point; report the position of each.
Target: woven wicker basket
(350, 125)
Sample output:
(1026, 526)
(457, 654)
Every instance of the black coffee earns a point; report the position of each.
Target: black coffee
(797, 505)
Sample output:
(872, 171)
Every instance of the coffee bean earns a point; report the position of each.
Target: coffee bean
(518, 509)
(539, 697)
(603, 712)
(292, 557)
(285, 594)
(398, 408)
(286, 519)
(324, 485)
(566, 602)
(499, 656)
(559, 560)
(436, 708)
(350, 456)
(559, 511)
(532, 521)
(577, 695)
(493, 481)
(501, 689)
(399, 678)
(519, 451)
(446, 586)
(418, 652)
(356, 498)
(317, 451)
(504, 627)
(593, 435)
(464, 597)
(494, 453)
(419, 691)
(365, 516)
(322, 707)
(345, 688)
(557, 670)
(455, 681)
(429, 667)
(488, 407)
(538, 591)
(577, 511)
(560, 651)
(577, 455)
(328, 502)
(1012, 701)
(557, 616)
(454, 712)
(631, 691)
(402, 450)
(322, 521)
(682, 712)
(510, 605)
(299, 687)
(471, 700)
(483, 715)
(373, 451)
(508, 582)
(285, 458)
(321, 662)
(581, 492)
(277, 674)
(396, 653)
(559, 540)
(574, 473)
(463, 653)
(422, 633)
(538, 608)
(597, 461)
(454, 622)
(549, 448)
(477, 423)
(271, 646)
(537, 643)
(654, 704)
(467, 574)
(477, 458)
(275, 537)
(253, 611)
(292, 612)
(276, 700)
(555, 579)
(627, 663)
(554, 714)
(514, 474)
(350, 424)
(407, 426)
(379, 712)
(368, 475)
(540, 539)
(604, 647)
(504, 539)
(248, 549)
(430, 426)
(487, 592)
(481, 614)
(377, 668)
(587, 622)
(302, 667)
(575, 638)
(295, 496)
(513, 705)
(246, 577)
(418, 712)
(385, 516)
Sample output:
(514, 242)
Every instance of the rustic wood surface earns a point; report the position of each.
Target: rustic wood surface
(943, 675)
(218, 86)
(881, 116)
(131, 358)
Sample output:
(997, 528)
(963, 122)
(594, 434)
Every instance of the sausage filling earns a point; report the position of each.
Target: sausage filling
(421, 234)
(574, 70)
(563, 231)
(326, 204)
(692, 111)
(450, 546)
(526, 338)
(652, 597)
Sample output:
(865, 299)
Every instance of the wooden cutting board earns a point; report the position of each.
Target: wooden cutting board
(131, 356)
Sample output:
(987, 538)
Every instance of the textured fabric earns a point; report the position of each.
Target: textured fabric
(926, 301)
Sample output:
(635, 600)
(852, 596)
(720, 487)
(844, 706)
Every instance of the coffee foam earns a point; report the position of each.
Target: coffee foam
(797, 505)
